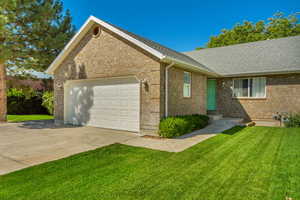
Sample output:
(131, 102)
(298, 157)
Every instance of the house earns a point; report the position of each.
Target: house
(39, 84)
(111, 78)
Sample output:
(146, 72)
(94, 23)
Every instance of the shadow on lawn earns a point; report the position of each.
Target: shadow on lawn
(233, 130)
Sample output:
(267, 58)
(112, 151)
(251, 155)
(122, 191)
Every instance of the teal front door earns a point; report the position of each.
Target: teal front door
(211, 94)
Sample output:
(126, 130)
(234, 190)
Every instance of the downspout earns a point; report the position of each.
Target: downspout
(166, 87)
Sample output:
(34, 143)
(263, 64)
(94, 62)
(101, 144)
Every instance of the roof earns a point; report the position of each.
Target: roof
(255, 58)
(170, 53)
(161, 52)
(263, 57)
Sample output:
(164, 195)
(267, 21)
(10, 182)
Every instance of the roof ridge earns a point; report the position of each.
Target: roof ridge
(138, 37)
(262, 57)
(163, 53)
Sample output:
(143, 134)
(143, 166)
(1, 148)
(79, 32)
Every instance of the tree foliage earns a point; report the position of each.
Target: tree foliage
(48, 101)
(276, 27)
(32, 33)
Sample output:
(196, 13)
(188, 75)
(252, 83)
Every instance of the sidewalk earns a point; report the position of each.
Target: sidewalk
(183, 142)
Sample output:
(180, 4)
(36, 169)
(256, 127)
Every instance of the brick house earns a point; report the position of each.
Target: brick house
(39, 84)
(111, 78)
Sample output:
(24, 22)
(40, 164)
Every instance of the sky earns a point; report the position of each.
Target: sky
(180, 25)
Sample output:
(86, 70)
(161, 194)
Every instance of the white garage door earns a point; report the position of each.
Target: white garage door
(109, 103)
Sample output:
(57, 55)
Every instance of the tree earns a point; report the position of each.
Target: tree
(276, 27)
(32, 33)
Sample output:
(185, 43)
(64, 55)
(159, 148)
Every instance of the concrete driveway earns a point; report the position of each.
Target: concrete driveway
(30, 143)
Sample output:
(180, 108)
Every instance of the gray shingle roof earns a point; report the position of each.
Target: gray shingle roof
(165, 50)
(268, 56)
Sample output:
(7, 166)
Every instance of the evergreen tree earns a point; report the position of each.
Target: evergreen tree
(32, 33)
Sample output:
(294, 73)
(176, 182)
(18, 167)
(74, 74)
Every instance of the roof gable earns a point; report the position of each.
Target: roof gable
(164, 54)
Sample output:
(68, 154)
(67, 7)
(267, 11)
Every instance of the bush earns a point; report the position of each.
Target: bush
(180, 125)
(48, 101)
(293, 121)
(24, 101)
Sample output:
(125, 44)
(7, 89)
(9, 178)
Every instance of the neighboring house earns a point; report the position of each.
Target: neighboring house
(34, 83)
(108, 77)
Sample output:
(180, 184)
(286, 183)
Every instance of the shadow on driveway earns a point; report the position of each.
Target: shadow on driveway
(43, 124)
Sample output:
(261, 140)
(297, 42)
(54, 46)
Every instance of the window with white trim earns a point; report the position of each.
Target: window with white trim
(186, 84)
(250, 87)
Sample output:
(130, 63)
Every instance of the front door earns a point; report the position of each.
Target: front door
(211, 94)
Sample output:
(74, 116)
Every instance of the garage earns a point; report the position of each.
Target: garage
(112, 103)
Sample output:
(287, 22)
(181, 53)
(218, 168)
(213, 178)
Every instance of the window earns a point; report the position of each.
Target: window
(186, 84)
(250, 87)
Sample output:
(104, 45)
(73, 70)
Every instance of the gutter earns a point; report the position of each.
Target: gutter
(261, 73)
(184, 65)
(167, 86)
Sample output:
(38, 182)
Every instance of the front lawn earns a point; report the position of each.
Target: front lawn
(20, 118)
(250, 163)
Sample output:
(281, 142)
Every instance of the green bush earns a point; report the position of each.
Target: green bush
(26, 93)
(24, 102)
(293, 121)
(48, 101)
(180, 125)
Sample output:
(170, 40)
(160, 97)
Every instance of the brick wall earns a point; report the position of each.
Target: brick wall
(179, 105)
(283, 95)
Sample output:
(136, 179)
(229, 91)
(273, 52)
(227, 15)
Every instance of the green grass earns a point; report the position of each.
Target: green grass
(21, 118)
(250, 163)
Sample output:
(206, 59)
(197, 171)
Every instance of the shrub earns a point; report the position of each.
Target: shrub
(24, 101)
(293, 121)
(180, 125)
(48, 101)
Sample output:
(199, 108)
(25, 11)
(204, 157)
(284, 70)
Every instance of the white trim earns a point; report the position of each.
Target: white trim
(92, 20)
(84, 29)
(70, 45)
(128, 37)
(248, 97)
(104, 78)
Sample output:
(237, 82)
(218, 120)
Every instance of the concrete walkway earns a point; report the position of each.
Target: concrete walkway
(183, 142)
(31, 143)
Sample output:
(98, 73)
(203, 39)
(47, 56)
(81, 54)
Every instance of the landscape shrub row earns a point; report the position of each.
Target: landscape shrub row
(29, 101)
(180, 125)
(293, 121)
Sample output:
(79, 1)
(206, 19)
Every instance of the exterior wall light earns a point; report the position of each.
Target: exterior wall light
(145, 84)
(59, 85)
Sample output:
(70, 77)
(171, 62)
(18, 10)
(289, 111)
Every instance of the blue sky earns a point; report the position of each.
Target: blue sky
(182, 25)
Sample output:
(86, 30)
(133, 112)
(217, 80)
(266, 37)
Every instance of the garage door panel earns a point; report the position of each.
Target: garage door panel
(106, 105)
